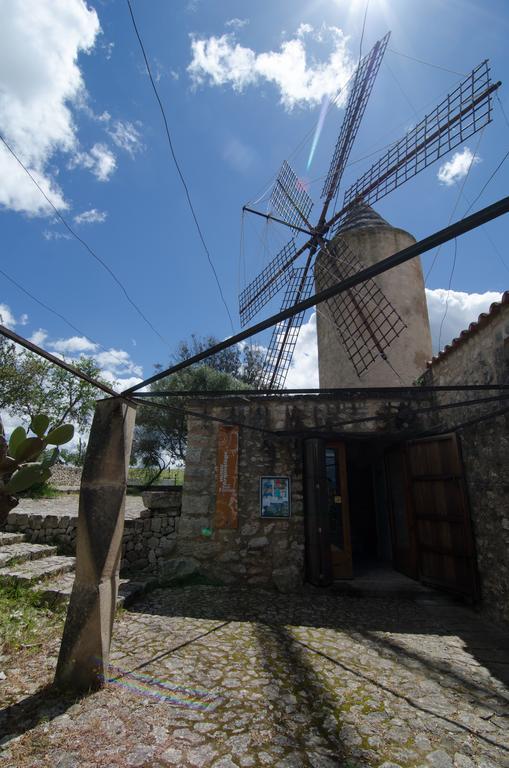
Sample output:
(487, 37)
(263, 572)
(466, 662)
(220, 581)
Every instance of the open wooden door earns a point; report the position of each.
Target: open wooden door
(327, 522)
(338, 511)
(318, 554)
(442, 519)
(402, 523)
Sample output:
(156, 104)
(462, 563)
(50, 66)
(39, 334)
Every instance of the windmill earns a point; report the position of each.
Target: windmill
(365, 320)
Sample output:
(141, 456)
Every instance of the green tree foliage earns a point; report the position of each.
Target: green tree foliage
(160, 435)
(30, 385)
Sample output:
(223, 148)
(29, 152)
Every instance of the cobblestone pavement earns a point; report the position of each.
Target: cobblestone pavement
(67, 505)
(216, 677)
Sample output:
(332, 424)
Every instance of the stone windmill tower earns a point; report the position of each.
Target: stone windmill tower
(401, 299)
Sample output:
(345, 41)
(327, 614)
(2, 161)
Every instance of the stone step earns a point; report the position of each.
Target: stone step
(37, 570)
(58, 590)
(22, 551)
(10, 538)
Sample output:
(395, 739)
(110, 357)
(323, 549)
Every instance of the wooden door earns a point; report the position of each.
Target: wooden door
(442, 520)
(338, 511)
(318, 552)
(402, 524)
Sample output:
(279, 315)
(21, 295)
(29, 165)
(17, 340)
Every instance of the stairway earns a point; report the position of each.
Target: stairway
(39, 567)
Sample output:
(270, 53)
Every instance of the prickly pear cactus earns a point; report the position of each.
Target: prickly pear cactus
(19, 468)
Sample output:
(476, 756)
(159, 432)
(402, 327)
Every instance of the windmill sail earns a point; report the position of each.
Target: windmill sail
(289, 197)
(285, 334)
(363, 83)
(364, 318)
(270, 280)
(461, 114)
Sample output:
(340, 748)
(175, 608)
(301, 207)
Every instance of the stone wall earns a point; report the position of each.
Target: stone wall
(482, 357)
(148, 542)
(63, 475)
(268, 552)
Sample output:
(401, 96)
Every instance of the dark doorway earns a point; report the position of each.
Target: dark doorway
(369, 519)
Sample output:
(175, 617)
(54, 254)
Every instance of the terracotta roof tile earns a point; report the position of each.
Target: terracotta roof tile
(482, 320)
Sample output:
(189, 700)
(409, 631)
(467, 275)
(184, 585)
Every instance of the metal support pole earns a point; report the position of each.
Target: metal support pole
(85, 648)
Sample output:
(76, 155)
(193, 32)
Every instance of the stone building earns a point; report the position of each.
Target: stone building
(287, 488)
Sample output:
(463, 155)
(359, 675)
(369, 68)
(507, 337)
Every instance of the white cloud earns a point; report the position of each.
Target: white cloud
(6, 316)
(304, 369)
(120, 383)
(39, 82)
(119, 360)
(299, 78)
(463, 309)
(100, 161)
(51, 234)
(126, 136)
(240, 156)
(304, 29)
(93, 216)
(74, 344)
(457, 167)
(39, 337)
(236, 23)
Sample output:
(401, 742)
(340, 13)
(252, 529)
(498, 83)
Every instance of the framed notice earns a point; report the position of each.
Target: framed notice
(275, 497)
(227, 463)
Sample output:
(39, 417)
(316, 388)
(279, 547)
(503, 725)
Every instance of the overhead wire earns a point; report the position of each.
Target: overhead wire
(460, 192)
(61, 317)
(448, 293)
(83, 242)
(427, 63)
(499, 166)
(177, 164)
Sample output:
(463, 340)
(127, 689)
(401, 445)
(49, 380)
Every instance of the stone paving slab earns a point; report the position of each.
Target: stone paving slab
(35, 570)
(226, 678)
(19, 552)
(58, 589)
(10, 538)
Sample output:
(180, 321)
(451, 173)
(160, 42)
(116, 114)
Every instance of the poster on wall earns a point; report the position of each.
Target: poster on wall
(275, 497)
(227, 462)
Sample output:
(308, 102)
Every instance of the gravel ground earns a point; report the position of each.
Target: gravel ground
(217, 677)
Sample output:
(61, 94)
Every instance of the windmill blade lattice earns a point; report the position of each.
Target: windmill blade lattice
(365, 319)
(461, 114)
(289, 197)
(284, 336)
(270, 280)
(363, 83)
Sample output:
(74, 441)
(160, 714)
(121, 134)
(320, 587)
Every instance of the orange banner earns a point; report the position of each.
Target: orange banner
(227, 464)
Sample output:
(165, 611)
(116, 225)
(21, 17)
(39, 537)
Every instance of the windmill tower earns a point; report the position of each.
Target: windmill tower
(380, 327)
(345, 362)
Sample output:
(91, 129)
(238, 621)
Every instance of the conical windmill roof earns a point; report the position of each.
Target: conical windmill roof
(362, 216)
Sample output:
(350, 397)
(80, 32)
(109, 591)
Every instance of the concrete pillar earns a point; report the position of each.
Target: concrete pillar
(85, 648)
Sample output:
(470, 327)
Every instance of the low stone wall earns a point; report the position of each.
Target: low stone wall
(62, 475)
(148, 541)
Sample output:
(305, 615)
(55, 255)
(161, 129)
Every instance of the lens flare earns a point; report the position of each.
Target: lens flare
(318, 130)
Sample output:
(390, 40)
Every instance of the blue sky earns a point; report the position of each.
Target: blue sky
(76, 104)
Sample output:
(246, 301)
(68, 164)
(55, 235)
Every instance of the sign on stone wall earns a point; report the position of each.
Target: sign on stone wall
(275, 496)
(227, 463)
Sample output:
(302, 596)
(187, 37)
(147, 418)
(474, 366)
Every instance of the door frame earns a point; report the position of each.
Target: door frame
(342, 561)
